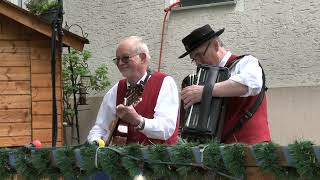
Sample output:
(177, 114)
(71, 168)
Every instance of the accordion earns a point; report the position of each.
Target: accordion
(204, 120)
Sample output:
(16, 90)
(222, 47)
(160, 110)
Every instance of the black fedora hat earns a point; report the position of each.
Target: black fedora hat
(197, 37)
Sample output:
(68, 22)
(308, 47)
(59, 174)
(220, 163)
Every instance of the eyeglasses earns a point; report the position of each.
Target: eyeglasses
(203, 54)
(124, 59)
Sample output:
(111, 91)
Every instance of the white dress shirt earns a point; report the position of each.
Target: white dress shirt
(161, 126)
(247, 72)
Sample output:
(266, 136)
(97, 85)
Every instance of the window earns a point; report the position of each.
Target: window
(186, 3)
(17, 2)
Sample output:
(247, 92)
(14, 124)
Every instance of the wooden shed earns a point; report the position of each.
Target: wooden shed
(25, 77)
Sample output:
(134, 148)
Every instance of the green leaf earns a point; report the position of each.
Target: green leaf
(305, 159)
(5, 170)
(233, 158)
(74, 65)
(159, 153)
(266, 154)
(110, 163)
(66, 162)
(211, 155)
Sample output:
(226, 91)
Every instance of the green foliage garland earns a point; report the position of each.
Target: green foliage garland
(24, 165)
(133, 166)
(267, 156)
(88, 159)
(41, 161)
(305, 159)
(65, 161)
(158, 153)
(124, 162)
(5, 170)
(233, 158)
(183, 154)
(211, 155)
(110, 162)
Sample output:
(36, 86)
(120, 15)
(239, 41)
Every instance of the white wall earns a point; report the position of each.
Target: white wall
(284, 34)
(109, 20)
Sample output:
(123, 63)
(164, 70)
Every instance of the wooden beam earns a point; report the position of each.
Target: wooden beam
(15, 129)
(44, 80)
(34, 22)
(14, 49)
(43, 67)
(44, 121)
(15, 101)
(44, 94)
(15, 73)
(14, 59)
(250, 161)
(15, 87)
(45, 135)
(40, 53)
(44, 108)
(15, 141)
(254, 173)
(11, 36)
(15, 115)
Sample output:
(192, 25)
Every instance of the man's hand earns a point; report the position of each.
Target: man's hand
(191, 95)
(128, 114)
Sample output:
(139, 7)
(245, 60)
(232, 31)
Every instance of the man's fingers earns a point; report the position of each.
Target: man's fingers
(191, 95)
(186, 92)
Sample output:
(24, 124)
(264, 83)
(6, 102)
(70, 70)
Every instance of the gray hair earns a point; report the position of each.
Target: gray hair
(213, 39)
(219, 41)
(141, 46)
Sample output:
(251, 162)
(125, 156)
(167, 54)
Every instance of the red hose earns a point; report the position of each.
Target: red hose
(167, 10)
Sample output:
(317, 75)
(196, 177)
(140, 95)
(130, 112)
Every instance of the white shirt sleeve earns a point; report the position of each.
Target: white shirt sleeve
(106, 114)
(248, 72)
(163, 124)
(166, 110)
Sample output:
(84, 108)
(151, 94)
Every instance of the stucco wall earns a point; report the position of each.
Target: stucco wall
(284, 34)
(108, 21)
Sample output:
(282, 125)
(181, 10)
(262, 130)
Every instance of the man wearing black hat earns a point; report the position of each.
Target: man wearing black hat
(246, 114)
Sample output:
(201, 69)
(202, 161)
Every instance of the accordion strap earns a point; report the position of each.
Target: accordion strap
(244, 118)
(206, 98)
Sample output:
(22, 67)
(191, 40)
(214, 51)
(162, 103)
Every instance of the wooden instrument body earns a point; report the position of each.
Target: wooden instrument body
(119, 131)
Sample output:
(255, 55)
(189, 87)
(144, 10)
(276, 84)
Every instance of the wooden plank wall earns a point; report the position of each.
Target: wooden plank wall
(15, 83)
(42, 95)
(25, 86)
(42, 91)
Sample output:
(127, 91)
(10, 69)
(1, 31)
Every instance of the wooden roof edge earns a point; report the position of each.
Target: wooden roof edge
(38, 24)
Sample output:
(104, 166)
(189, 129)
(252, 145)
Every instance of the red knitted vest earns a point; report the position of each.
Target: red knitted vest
(253, 131)
(146, 109)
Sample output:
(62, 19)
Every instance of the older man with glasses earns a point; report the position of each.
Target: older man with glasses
(146, 103)
(246, 107)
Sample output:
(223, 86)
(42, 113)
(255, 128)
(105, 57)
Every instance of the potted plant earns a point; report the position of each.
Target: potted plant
(46, 9)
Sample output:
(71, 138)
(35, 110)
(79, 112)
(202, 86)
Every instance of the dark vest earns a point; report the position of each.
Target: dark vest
(253, 131)
(146, 109)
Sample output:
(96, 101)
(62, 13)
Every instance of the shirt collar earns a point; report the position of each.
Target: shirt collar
(225, 59)
(142, 79)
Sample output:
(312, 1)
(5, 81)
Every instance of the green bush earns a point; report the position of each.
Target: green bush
(38, 7)
(74, 65)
